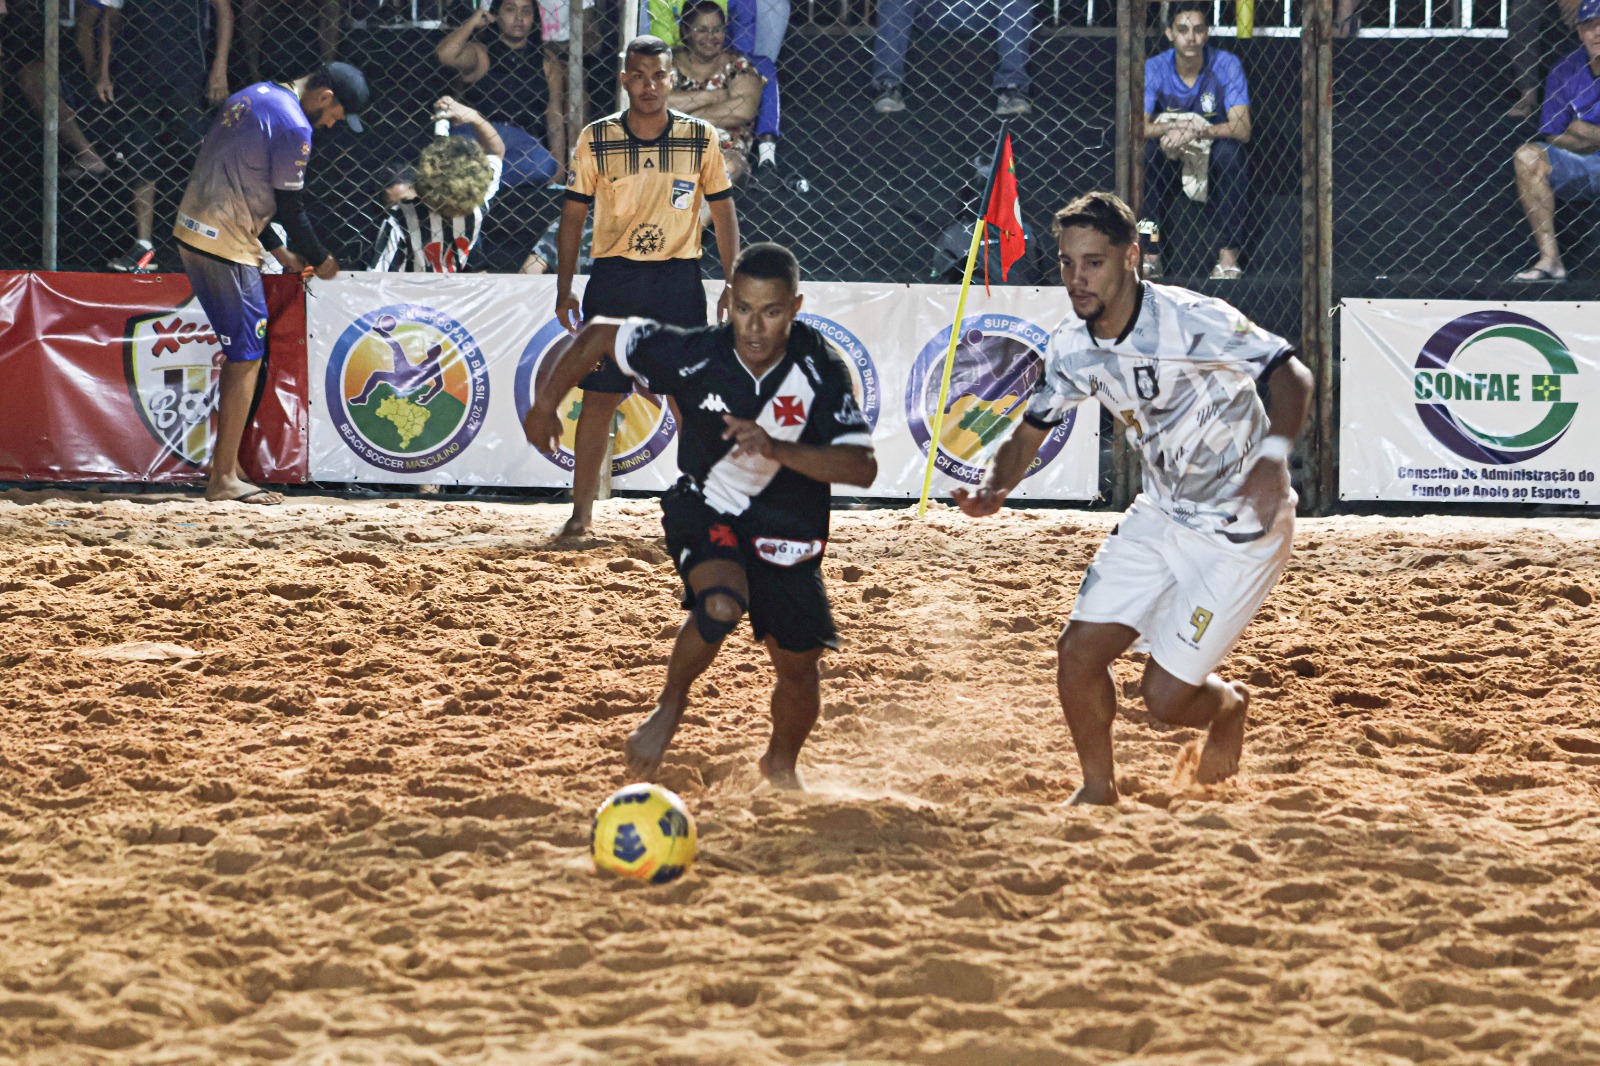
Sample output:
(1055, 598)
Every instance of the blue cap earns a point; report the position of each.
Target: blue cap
(1588, 9)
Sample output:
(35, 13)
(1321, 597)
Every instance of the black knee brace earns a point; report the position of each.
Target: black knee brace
(710, 629)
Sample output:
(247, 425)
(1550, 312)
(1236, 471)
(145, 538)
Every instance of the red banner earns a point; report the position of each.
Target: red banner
(114, 378)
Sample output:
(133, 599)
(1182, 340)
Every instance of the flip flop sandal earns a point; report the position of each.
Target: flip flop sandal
(1538, 275)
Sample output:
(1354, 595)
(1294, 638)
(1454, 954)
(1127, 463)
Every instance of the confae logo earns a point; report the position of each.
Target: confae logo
(1495, 387)
(171, 360)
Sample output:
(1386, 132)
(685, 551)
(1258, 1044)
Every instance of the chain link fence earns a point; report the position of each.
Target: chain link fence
(881, 126)
(1429, 115)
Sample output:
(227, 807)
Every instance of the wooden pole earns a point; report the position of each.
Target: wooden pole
(1320, 476)
(1131, 34)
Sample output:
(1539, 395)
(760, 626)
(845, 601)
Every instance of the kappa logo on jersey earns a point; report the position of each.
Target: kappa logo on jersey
(646, 424)
(713, 402)
(1495, 387)
(171, 361)
(407, 388)
(780, 552)
(1146, 383)
(682, 194)
(863, 371)
(998, 360)
(789, 411)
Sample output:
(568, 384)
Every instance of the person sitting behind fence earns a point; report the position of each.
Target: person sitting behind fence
(436, 209)
(756, 29)
(716, 84)
(512, 79)
(1011, 20)
(1567, 165)
(1196, 124)
(546, 254)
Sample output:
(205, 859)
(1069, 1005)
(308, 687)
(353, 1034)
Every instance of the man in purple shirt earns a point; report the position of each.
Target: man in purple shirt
(252, 167)
(1567, 165)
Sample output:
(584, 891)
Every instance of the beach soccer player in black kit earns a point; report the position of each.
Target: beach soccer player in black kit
(770, 421)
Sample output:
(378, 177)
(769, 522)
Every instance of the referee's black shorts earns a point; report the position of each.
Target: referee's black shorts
(668, 291)
(787, 603)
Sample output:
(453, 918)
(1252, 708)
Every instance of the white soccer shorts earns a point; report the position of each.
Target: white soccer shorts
(1189, 594)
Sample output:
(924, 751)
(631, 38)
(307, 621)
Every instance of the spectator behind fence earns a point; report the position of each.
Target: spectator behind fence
(1197, 120)
(286, 25)
(89, 87)
(514, 82)
(1532, 29)
(1567, 165)
(436, 208)
(164, 88)
(1012, 21)
(546, 254)
(716, 83)
(756, 29)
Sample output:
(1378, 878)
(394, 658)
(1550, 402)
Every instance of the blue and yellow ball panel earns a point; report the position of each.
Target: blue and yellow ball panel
(644, 832)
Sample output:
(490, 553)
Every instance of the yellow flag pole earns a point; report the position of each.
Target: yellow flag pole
(949, 365)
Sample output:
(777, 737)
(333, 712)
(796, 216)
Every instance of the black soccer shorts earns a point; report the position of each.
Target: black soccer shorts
(787, 603)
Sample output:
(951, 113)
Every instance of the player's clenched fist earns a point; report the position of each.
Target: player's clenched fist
(980, 502)
(748, 438)
(543, 429)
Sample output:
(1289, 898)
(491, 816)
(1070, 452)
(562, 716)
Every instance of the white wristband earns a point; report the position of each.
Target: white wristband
(1275, 447)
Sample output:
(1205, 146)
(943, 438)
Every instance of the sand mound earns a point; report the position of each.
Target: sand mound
(310, 785)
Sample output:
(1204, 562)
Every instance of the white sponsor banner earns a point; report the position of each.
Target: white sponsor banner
(425, 379)
(1468, 402)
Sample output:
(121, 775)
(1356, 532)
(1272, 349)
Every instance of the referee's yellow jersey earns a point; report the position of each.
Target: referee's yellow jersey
(646, 195)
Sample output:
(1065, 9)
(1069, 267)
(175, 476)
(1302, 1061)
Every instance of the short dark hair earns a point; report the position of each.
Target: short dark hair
(695, 10)
(1102, 212)
(1188, 7)
(645, 45)
(770, 261)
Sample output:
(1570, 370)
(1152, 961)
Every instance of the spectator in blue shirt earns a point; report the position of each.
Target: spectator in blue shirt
(1196, 96)
(1567, 165)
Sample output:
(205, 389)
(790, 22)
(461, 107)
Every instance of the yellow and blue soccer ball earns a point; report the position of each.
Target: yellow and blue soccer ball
(644, 832)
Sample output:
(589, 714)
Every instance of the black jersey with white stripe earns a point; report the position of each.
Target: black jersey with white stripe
(805, 397)
(417, 239)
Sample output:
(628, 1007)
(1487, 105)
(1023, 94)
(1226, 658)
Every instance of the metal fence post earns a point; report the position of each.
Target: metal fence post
(1131, 32)
(1316, 222)
(51, 120)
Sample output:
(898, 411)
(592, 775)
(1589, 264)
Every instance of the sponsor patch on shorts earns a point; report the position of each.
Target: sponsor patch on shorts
(780, 552)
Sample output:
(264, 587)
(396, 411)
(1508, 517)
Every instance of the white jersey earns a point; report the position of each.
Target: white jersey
(435, 244)
(1183, 381)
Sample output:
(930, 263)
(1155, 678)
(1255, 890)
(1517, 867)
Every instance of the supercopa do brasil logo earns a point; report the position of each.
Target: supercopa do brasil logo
(998, 360)
(407, 388)
(1495, 387)
(857, 359)
(171, 361)
(644, 421)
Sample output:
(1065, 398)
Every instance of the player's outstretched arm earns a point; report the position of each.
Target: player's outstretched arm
(569, 361)
(1006, 471)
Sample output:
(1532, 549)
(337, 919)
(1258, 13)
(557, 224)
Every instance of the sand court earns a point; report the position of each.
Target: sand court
(311, 785)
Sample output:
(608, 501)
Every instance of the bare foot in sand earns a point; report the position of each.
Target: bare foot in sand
(1099, 797)
(647, 745)
(1219, 757)
(786, 780)
(575, 527)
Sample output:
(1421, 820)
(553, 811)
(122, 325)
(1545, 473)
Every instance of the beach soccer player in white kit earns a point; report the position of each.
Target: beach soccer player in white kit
(1213, 404)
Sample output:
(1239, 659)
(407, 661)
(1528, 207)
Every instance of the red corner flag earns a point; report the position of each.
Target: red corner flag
(1004, 212)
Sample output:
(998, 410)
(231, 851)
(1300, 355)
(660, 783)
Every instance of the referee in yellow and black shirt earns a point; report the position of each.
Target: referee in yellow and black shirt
(646, 170)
